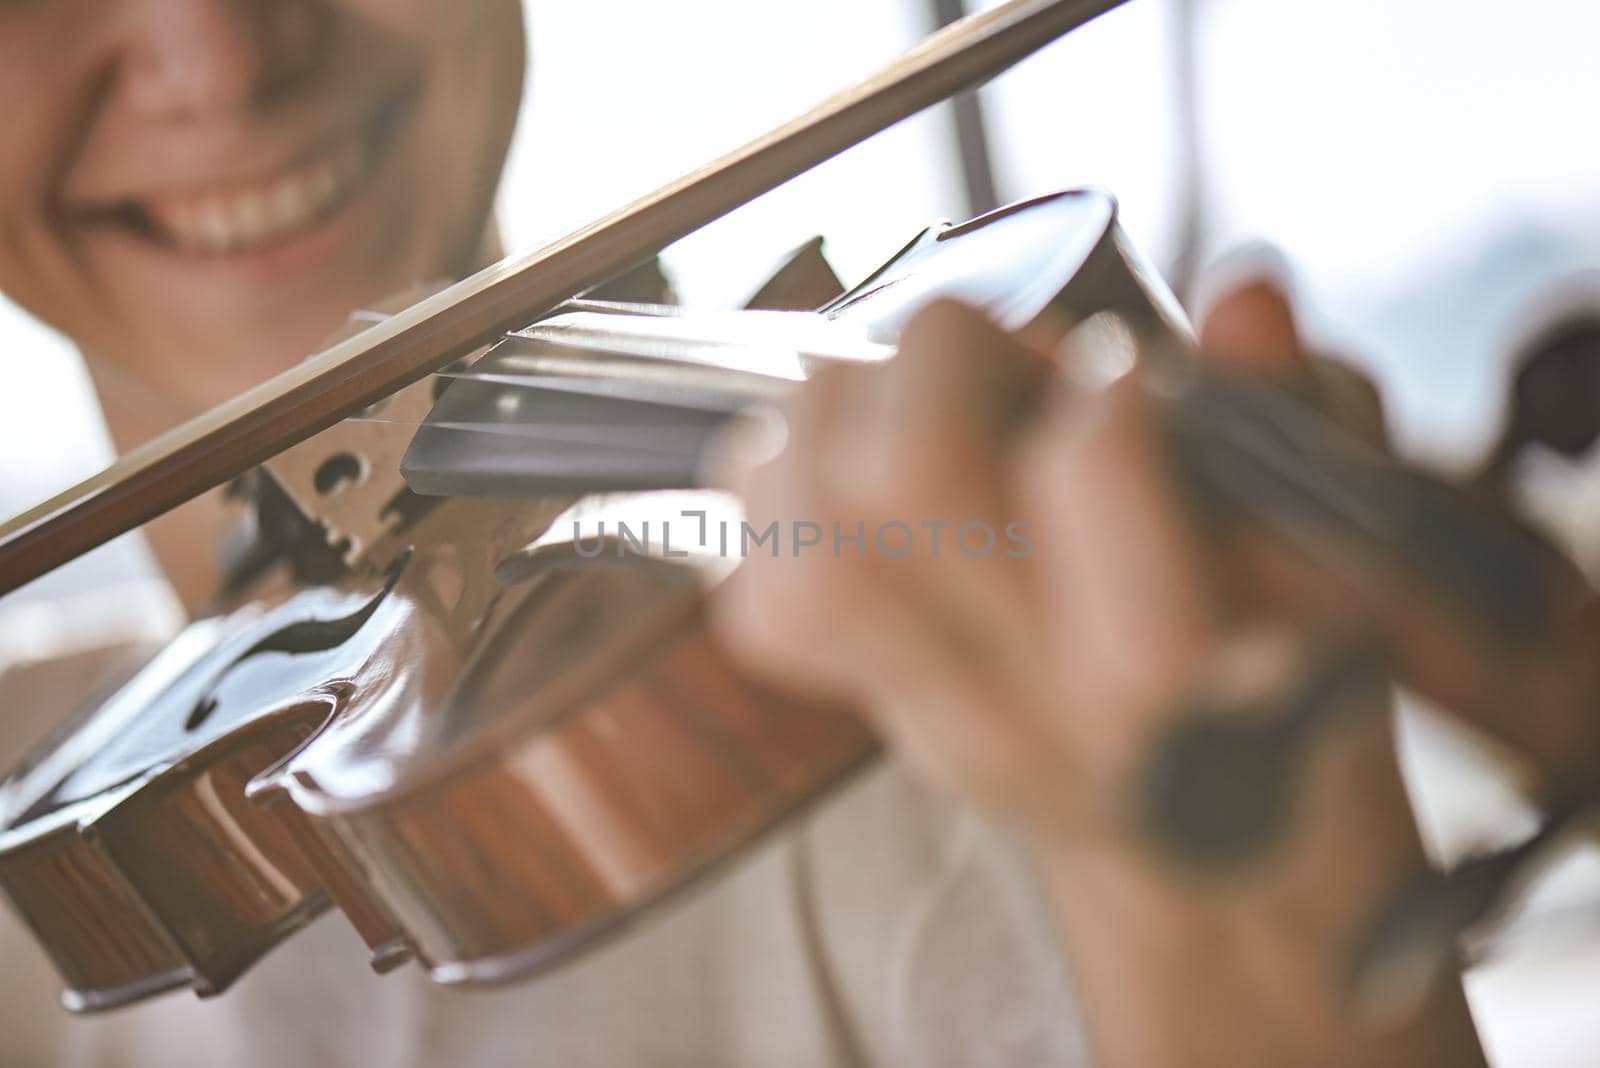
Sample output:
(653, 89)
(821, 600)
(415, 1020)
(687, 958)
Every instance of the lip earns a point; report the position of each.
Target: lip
(146, 217)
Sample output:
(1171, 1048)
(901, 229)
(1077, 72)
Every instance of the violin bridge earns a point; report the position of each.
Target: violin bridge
(347, 478)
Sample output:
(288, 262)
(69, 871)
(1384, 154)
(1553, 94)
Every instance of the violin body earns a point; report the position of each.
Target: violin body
(485, 748)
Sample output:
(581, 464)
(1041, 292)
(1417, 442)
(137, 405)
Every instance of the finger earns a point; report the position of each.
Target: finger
(944, 415)
(913, 445)
(761, 440)
(777, 611)
(824, 615)
(896, 468)
(1252, 328)
(1127, 583)
(751, 439)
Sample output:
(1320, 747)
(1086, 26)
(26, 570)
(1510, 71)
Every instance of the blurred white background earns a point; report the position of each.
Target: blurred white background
(1427, 166)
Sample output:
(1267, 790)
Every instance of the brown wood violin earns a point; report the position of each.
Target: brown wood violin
(486, 743)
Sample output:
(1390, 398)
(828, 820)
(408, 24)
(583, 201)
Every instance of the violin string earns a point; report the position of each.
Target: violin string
(514, 377)
(728, 388)
(607, 435)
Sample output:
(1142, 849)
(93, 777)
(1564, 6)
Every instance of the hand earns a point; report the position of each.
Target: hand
(1023, 613)
(1031, 674)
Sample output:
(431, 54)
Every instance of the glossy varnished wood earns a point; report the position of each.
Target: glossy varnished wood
(611, 782)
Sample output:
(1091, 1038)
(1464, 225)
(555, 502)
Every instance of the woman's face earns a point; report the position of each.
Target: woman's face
(201, 190)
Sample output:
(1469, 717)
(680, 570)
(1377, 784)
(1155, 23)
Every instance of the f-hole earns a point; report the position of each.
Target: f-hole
(336, 471)
(202, 712)
(305, 636)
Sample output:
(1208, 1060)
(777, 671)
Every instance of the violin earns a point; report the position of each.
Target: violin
(492, 732)
(485, 744)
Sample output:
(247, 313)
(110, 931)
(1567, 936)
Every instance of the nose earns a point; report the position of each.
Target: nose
(189, 58)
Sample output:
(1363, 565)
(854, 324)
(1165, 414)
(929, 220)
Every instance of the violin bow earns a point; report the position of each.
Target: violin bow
(340, 381)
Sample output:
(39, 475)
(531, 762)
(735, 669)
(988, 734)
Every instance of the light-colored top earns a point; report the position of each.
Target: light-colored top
(888, 928)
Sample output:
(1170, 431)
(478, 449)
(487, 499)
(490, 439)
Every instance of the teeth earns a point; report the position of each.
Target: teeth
(242, 219)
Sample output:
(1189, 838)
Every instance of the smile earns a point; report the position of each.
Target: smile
(243, 219)
(249, 217)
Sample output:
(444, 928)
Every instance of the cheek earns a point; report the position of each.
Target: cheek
(37, 267)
